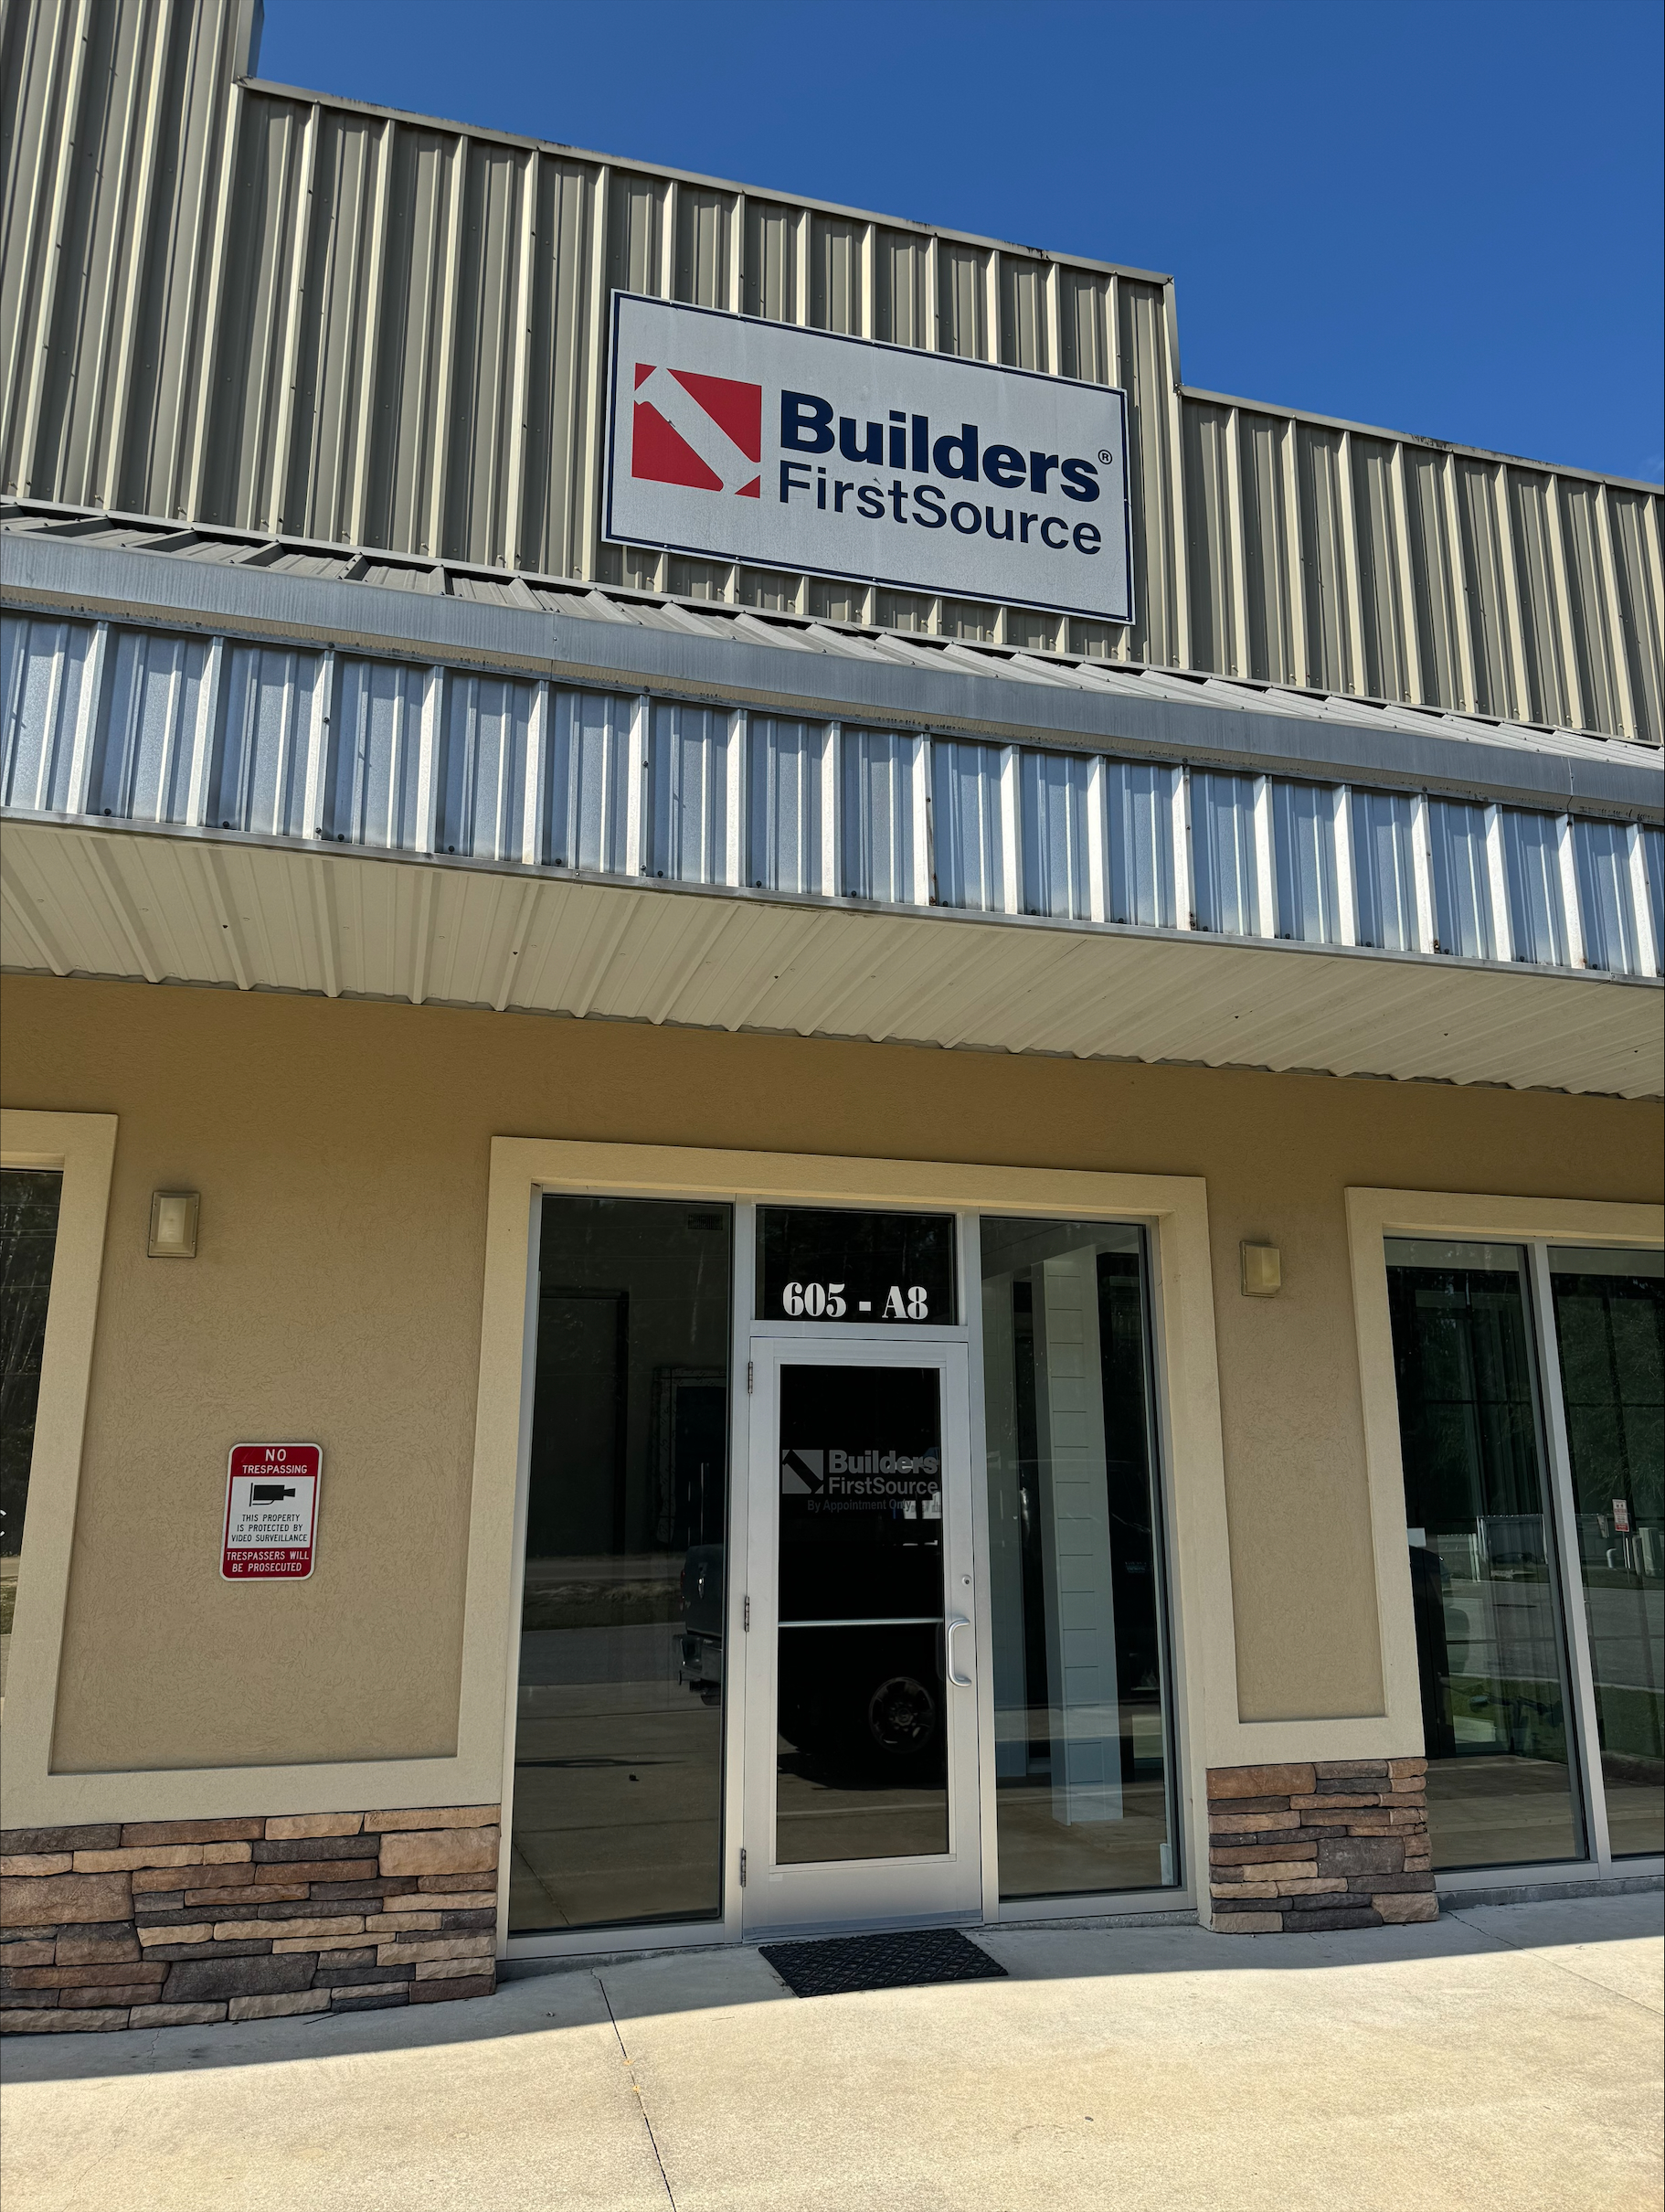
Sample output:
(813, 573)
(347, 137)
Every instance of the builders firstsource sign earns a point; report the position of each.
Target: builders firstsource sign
(747, 440)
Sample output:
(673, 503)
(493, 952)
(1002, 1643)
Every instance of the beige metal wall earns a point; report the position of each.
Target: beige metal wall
(225, 301)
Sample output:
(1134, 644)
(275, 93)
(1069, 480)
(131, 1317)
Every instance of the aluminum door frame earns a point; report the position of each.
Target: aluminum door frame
(820, 1896)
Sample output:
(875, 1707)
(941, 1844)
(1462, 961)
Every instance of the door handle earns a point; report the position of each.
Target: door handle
(960, 1682)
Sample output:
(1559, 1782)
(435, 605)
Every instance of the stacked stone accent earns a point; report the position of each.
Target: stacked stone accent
(181, 1923)
(1339, 1843)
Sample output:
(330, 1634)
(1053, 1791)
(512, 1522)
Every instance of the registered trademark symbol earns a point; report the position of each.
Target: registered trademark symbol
(1104, 455)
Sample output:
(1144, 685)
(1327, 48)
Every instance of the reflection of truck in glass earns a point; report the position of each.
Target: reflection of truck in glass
(856, 1699)
(701, 1644)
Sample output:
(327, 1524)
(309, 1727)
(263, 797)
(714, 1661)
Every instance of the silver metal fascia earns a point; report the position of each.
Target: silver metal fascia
(130, 586)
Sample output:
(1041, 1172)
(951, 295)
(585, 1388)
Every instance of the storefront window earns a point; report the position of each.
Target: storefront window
(1610, 1333)
(28, 1231)
(1082, 1768)
(619, 1734)
(1495, 1708)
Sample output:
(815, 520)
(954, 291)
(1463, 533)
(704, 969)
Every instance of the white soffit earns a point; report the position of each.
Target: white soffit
(164, 908)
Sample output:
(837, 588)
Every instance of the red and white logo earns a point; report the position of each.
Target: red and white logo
(706, 433)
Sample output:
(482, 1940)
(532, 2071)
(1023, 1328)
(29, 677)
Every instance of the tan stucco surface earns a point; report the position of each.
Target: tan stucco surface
(342, 1152)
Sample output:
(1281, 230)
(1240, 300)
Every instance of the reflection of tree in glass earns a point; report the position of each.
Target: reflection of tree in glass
(29, 1228)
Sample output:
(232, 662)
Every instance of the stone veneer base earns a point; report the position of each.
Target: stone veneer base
(1308, 1846)
(183, 1923)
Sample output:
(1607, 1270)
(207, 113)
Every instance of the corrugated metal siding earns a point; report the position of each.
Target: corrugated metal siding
(1537, 907)
(794, 804)
(233, 304)
(1304, 862)
(1463, 887)
(1384, 869)
(1061, 805)
(148, 726)
(43, 667)
(588, 819)
(969, 829)
(1224, 863)
(1601, 855)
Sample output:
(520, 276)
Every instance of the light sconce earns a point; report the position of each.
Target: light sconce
(1262, 1269)
(172, 1224)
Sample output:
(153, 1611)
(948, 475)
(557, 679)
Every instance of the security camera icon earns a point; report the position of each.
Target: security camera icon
(267, 1493)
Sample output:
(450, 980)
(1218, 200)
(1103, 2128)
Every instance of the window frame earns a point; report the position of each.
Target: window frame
(1533, 1226)
(81, 1148)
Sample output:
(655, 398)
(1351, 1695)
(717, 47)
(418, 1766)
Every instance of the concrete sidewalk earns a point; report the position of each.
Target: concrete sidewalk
(1505, 2057)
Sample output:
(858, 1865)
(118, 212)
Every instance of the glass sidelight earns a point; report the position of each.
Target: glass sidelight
(1081, 1701)
(619, 1747)
(1609, 1310)
(1484, 1575)
(28, 1236)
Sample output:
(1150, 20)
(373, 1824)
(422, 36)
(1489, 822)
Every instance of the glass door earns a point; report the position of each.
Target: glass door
(861, 1754)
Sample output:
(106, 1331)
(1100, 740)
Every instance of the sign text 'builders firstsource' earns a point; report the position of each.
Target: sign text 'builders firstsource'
(742, 439)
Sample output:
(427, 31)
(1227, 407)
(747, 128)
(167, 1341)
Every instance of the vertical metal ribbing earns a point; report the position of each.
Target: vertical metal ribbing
(36, 374)
(801, 268)
(1238, 656)
(736, 301)
(202, 384)
(1010, 888)
(831, 765)
(1097, 842)
(733, 798)
(536, 796)
(1497, 878)
(990, 315)
(267, 505)
(1428, 926)
(595, 392)
(1346, 895)
(119, 268)
(1052, 282)
(202, 736)
(1648, 952)
(24, 200)
(1515, 613)
(1607, 555)
(370, 335)
(669, 211)
(1265, 891)
(919, 774)
(1181, 653)
(1457, 576)
(428, 758)
(317, 745)
(1185, 892)
(87, 720)
(1407, 582)
(515, 488)
(1351, 584)
(1295, 560)
(434, 535)
(104, 486)
(866, 268)
(1573, 684)
(1571, 911)
(635, 786)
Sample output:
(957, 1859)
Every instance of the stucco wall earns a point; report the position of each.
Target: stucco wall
(342, 1151)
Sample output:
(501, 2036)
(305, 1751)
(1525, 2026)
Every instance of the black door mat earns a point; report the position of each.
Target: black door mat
(909, 1960)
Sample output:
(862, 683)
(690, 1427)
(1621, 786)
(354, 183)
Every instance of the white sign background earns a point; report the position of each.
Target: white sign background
(1043, 564)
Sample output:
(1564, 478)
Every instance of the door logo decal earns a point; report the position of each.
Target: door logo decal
(803, 1474)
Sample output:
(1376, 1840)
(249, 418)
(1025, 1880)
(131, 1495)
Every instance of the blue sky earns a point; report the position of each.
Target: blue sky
(1443, 218)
